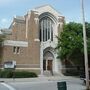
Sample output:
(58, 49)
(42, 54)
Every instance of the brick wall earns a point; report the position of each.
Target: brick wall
(30, 56)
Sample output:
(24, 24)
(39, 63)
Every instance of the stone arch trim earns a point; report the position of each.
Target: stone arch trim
(48, 55)
(47, 14)
(50, 49)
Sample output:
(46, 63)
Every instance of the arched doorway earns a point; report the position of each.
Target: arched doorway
(48, 61)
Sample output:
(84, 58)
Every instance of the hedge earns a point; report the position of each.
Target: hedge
(24, 74)
(16, 74)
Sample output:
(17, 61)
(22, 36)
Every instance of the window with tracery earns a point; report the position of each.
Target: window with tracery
(46, 29)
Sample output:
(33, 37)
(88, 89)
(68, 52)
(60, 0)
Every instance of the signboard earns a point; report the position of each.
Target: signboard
(10, 64)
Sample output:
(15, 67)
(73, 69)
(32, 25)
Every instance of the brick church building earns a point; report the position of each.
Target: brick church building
(31, 40)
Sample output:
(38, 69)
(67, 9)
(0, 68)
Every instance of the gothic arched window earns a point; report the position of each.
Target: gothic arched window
(46, 29)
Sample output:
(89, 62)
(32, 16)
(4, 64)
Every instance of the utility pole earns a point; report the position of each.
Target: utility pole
(85, 46)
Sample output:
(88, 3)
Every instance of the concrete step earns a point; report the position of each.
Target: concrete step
(47, 73)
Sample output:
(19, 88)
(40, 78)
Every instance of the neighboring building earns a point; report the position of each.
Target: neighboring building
(33, 40)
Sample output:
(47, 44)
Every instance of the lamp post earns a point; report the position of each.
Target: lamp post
(85, 46)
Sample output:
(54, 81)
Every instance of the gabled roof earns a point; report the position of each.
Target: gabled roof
(40, 10)
(19, 18)
(47, 8)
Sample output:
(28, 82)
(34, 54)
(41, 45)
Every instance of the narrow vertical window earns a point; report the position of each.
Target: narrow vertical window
(40, 35)
(18, 50)
(14, 50)
(52, 32)
(48, 29)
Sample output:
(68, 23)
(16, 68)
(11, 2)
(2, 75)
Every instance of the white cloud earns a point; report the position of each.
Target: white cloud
(4, 20)
(4, 23)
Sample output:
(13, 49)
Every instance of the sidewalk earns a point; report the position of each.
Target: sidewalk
(43, 78)
(72, 82)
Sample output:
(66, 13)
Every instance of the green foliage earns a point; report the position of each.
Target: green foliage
(6, 73)
(88, 29)
(70, 41)
(24, 74)
(16, 74)
(88, 45)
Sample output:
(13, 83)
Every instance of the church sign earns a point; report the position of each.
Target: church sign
(10, 65)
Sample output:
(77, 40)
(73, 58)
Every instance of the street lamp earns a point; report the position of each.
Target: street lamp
(85, 46)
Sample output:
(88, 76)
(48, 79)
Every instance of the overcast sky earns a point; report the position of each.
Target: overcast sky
(71, 9)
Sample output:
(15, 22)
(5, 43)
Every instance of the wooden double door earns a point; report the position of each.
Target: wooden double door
(47, 65)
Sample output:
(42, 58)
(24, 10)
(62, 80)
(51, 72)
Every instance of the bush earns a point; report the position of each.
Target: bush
(16, 74)
(6, 74)
(24, 74)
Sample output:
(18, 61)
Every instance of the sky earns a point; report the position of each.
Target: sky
(71, 9)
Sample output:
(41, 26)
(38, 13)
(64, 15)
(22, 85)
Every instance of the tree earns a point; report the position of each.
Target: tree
(70, 42)
(87, 29)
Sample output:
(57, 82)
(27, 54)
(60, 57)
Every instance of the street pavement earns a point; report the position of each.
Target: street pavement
(2, 87)
(41, 83)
